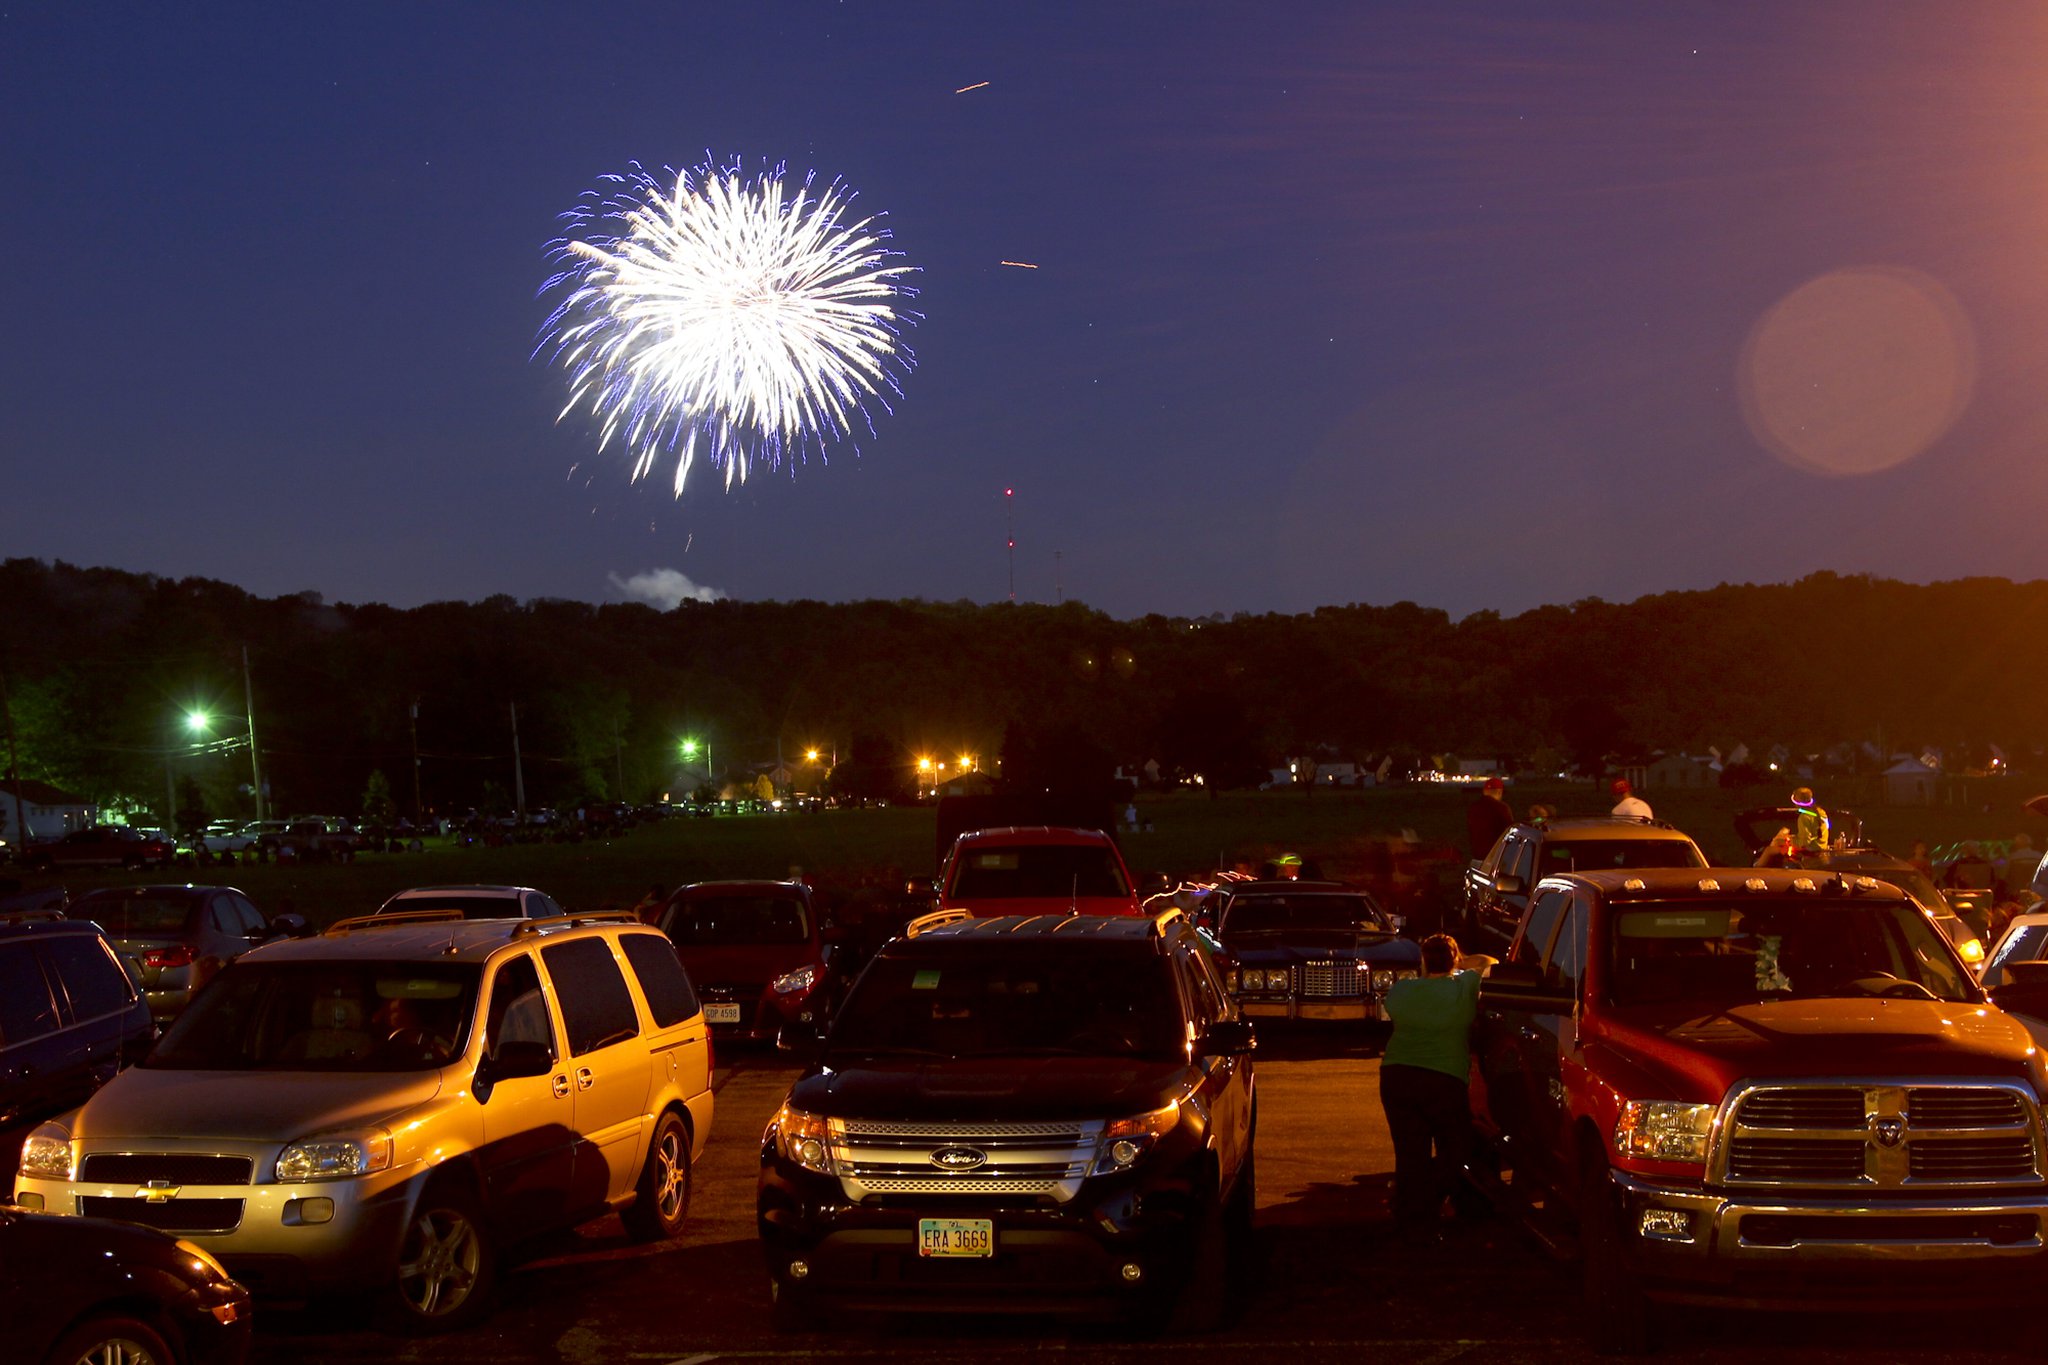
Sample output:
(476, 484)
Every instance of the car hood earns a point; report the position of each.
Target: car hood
(991, 1088)
(1701, 1055)
(247, 1106)
(729, 962)
(1302, 945)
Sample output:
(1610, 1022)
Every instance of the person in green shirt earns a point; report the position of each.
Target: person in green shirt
(1423, 1076)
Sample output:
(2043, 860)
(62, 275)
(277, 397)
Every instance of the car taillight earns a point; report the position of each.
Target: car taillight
(177, 955)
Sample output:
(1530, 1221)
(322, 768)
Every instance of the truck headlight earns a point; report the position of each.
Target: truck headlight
(1665, 1130)
(46, 1155)
(803, 1137)
(1125, 1140)
(334, 1156)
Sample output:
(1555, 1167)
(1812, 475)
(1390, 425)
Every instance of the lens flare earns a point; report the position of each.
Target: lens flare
(738, 318)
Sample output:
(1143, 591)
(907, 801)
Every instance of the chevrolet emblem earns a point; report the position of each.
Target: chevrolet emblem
(158, 1192)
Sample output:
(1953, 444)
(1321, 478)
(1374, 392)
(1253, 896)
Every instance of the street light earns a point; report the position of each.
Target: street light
(196, 724)
(690, 747)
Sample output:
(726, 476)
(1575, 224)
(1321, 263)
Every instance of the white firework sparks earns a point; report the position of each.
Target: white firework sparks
(729, 316)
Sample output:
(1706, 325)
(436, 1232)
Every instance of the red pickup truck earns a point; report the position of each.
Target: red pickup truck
(1748, 1086)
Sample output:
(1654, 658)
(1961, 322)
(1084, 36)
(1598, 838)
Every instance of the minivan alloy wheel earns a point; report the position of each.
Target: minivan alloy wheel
(439, 1268)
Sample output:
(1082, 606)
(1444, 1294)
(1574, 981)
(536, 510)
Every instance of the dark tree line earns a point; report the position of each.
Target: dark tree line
(100, 665)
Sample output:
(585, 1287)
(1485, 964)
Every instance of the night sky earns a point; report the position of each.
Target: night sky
(1477, 305)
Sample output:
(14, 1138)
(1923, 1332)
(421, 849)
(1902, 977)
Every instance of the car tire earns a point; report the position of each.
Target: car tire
(1617, 1309)
(661, 1198)
(446, 1265)
(112, 1339)
(792, 1312)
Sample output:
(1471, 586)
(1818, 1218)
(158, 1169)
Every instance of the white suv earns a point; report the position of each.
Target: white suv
(386, 1105)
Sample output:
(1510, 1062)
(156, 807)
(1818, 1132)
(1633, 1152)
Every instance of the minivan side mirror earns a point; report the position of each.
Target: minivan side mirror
(512, 1060)
(802, 1037)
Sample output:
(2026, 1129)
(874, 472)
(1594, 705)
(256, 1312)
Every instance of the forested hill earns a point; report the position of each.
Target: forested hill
(101, 665)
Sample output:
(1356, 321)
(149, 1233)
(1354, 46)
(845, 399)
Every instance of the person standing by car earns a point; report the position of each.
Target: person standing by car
(1423, 1079)
(1627, 804)
(1487, 817)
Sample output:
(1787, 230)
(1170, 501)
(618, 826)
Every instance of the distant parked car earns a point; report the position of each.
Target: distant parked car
(754, 949)
(93, 1291)
(476, 902)
(1037, 870)
(179, 936)
(102, 846)
(1310, 950)
(228, 836)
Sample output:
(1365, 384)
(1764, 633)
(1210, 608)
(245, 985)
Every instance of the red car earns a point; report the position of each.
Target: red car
(102, 846)
(754, 950)
(1037, 870)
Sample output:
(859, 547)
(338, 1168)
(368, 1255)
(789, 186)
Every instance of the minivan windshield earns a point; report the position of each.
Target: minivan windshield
(1726, 954)
(1021, 871)
(1020, 1002)
(324, 1016)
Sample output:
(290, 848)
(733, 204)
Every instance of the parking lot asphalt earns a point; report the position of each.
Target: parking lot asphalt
(1332, 1283)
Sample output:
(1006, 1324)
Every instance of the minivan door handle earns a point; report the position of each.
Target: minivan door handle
(561, 1087)
(584, 1080)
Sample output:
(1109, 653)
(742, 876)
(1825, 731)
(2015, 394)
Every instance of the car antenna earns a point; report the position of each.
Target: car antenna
(1074, 894)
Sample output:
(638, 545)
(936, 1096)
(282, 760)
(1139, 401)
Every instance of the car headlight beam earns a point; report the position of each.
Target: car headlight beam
(46, 1154)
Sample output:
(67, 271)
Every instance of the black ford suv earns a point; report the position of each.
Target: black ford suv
(1046, 1113)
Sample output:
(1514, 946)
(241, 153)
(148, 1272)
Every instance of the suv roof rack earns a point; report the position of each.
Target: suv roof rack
(924, 924)
(528, 927)
(346, 926)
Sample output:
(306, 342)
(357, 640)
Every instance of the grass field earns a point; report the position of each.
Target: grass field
(1188, 834)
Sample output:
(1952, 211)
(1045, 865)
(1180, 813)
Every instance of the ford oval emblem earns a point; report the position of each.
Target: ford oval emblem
(958, 1158)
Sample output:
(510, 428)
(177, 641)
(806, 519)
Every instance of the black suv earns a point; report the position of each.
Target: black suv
(1018, 1114)
(70, 1017)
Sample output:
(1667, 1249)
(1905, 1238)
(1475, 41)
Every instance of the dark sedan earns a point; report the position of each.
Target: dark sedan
(179, 936)
(1310, 950)
(91, 1289)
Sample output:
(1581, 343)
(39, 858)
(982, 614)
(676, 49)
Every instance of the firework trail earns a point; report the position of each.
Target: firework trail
(731, 317)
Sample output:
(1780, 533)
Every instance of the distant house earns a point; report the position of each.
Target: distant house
(48, 811)
(1909, 782)
(1680, 771)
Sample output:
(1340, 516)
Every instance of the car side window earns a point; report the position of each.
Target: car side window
(27, 1010)
(252, 921)
(1208, 1006)
(1567, 960)
(220, 916)
(519, 1012)
(670, 1000)
(1543, 916)
(1519, 860)
(94, 981)
(597, 1008)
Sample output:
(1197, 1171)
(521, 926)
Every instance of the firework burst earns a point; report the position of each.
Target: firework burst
(725, 316)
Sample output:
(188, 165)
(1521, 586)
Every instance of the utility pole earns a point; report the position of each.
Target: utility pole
(619, 754)
(1010, 535)
(13, 769)
(249, 707)
(1059, 585)
(518, 772)
(419, 812)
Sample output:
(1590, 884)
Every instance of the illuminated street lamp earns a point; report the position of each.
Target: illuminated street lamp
(196, 724)
(690, 747)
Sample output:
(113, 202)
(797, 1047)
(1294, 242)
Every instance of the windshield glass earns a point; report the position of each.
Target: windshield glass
(122, 916)
(737, 920)
(1595, 855)
(324, 1016)
(1269, 914)
(471, 905)
(2024, 944)
(1038, 870)
(1014, 1002)
(1725, 955)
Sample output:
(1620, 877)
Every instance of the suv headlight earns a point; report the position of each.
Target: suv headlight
(803, 1137)
(334, 1156)
(1126, 1140)
(1665, 1130)
(46, 1155)
(802, 979)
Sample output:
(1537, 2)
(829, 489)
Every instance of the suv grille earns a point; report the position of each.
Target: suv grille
(1030, 1159)
(1883, 1136)
(1328, 979)
(175, 1215)
(178, 1168)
